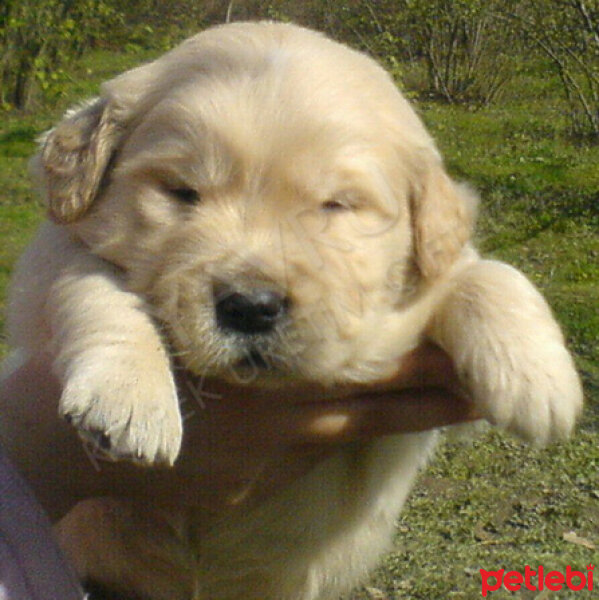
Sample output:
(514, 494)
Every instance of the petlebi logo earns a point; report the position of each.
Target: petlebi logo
(538, 580)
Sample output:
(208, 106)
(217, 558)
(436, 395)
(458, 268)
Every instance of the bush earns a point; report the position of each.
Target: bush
(567, 32)
(37, 38)
(462, 47)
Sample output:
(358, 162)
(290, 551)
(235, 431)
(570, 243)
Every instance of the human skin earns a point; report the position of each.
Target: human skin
(241, 444)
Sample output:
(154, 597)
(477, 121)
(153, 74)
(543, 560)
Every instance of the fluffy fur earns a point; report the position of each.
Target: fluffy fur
(314, 177)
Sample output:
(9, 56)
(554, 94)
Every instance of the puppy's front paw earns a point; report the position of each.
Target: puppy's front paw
(125, 407)
(510, 353)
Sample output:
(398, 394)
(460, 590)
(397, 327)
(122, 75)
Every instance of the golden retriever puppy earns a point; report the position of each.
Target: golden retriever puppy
(262, 204)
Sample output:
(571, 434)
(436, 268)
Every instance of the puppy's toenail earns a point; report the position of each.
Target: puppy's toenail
(104, 441)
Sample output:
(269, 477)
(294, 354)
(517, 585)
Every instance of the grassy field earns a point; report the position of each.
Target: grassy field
(494, 503)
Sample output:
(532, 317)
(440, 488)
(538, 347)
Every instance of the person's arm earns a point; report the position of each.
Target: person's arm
(232, 435)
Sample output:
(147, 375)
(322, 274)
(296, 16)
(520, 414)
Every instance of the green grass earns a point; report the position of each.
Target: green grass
(494, 503)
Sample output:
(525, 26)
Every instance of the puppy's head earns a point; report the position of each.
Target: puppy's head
(268, 191)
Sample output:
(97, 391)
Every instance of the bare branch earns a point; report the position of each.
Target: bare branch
(229, 14)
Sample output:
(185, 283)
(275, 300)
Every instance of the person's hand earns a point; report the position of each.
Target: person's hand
(241, 443)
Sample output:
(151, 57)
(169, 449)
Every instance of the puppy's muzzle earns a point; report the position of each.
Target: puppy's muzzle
(255, 311)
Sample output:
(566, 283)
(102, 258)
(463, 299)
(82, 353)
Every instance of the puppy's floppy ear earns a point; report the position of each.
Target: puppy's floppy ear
(73, 159)
(443, 214)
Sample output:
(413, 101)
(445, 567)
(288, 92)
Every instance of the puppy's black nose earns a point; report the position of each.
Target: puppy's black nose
(256, 311)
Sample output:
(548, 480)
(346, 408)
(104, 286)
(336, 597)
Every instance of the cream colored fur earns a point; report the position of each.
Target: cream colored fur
(314, 176)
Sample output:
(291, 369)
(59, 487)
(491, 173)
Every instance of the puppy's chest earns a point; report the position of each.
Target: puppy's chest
(322, 534)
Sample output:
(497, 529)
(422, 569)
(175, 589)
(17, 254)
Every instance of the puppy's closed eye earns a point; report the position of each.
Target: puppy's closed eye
(185, 195)
(334, 206)
(347, 200)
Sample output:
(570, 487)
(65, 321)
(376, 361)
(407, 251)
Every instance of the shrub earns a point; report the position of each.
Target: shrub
(37, 38)
(462, 47)
(567, 32)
